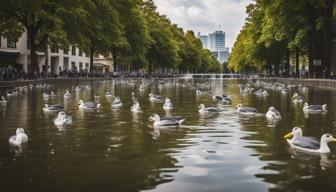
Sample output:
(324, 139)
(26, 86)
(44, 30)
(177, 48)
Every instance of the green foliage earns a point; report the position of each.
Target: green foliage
(274, 28)
(132, 31)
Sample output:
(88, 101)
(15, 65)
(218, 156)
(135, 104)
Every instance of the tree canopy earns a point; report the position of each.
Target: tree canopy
(277, 30)
(132, 31)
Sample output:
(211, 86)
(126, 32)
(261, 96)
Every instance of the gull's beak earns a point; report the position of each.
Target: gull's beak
(334, 140)
(288, 136)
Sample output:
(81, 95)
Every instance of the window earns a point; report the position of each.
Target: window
(80, 52)
(73, 66)
(73, 50)
(66, 50)
(65, 63)
(11, 43)
(80, 66)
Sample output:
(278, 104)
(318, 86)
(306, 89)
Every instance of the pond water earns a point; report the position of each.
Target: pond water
(116, 150)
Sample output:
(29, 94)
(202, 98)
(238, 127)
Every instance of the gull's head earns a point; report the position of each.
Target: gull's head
(239, 105)
(296, 133)
(19, 130)
(201, 106)
(327, 138)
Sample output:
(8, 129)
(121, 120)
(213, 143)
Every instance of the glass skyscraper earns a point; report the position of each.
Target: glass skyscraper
(215, 42)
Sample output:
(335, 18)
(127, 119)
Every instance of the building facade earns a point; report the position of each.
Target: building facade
(103, 63)
(51, 60)
(215, 42)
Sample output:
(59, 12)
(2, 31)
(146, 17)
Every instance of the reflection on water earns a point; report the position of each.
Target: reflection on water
(117, 150)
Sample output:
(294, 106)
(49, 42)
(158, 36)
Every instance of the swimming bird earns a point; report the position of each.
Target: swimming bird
(246, 110)
(3, 100)
(116, 103)
(308, 144)
(62, 119)
(155, 98)
(46, 95)
(314, 108)
(198, 92)
(88, 105)
(168, 105)
(222, 98)
(19, 138)
(207, 110)
(134, 97)
(136, 107)
(296, 98)
(108, 93)
(52, 108)
(166, 121)
(67, 94)
(261, 93)
(273, 114)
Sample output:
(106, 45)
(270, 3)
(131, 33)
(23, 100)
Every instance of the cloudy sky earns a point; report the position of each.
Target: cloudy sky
(205, 16)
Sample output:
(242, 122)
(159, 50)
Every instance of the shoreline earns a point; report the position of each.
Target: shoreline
(330, 83)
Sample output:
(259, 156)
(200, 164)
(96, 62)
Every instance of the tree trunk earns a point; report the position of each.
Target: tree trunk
(92, 50)
(297, 62)
(328, 36)
(115, 60)
(287, 63)
(33, 56)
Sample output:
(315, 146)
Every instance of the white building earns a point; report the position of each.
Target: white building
(103, 63)
(17, 54)
(215, 42)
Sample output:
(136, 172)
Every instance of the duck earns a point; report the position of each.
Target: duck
(88, 105)
(198, 92)
(142, 88)
(314, 108)
(246, 110)
(62, 119)
(108, 93)
(168, 105)
(261, 93)
(155, 98)
(52, 108)
(19, 138)
(273, 114)
(166, 121)
(11, 93)
(308, 144)
(222, 98)
(67, 94)
(134, 97)
(136, 107)
(296, 98)
(207, 110)
(116, 103)
(3, 100)
(78, 88)
(46, 95)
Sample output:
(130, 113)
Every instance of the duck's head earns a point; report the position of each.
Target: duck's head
(46, 105)
(239, 105)
(324, 107)
(296, 133)
(80, 102)
(19, 130)
(201, 106)
(154, 117)
(133, 94)
(61, 114)
(271, 108)
(151, 94)
(295, 95)
(305, 104)
(167, 100)
(326, 138)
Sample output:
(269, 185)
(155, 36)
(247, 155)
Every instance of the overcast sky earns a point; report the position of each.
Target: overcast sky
(205, 16)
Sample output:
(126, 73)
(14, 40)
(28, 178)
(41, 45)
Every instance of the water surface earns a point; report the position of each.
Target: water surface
(115, 150)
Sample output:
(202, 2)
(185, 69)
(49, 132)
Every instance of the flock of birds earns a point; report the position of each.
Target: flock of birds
(295, 138)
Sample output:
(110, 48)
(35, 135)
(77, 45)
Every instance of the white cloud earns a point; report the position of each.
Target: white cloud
(205, 16)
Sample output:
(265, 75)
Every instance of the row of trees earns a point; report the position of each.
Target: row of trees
(133, 31)
(278, 31)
